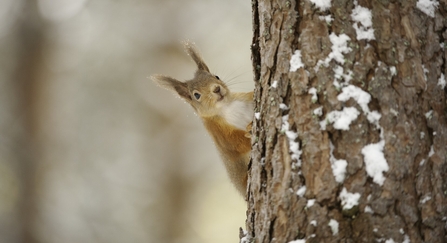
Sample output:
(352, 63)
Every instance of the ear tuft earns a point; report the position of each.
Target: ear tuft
(172, 84)
(192, 51)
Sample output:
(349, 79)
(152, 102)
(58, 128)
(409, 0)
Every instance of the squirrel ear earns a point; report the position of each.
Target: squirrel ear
(195, 55)
(172, 84)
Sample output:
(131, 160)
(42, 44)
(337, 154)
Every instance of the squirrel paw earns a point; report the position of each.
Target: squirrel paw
(248, 130)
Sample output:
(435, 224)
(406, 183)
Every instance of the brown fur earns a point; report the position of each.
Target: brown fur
(215, 102)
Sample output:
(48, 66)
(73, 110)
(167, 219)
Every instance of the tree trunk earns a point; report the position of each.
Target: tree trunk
(350, 135)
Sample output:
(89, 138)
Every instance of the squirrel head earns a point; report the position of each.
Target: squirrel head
(206, 93)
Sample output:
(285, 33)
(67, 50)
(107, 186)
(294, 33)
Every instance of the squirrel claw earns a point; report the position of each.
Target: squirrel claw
(248, 130)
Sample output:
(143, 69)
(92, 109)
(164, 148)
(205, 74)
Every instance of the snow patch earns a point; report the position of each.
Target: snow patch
(441, 81)
(310, 203)
(313, 92)
(274, 84)
(323, 5)
(294, 147)
(327, 18)
(338, 166)
(283, 106)
(375, 161)
(295, 61)
(428, 7)
(339, 75)
(406, 239)
(339, 47)
(362, 98)
(298, 241)
(363, 22)
(341, 119)
(422, 162)
(257, 115)
(432, 151)
(429, 114)
(368, 209)
(301, 191)
(318, 111)
(334, 226)
(313, 222)
(349, 200)
(393, 71)
(425, 199)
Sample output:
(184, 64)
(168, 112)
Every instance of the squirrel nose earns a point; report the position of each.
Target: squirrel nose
(217, 89)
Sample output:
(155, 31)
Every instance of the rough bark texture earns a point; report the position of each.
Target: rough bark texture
(411, 205)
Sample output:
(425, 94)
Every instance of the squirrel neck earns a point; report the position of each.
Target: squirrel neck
(230, 140)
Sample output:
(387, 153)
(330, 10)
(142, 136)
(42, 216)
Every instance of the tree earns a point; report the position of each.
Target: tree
(350, 135)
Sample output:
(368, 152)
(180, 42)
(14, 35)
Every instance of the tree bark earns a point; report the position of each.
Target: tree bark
(393, 183)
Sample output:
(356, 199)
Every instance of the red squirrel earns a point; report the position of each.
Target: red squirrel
(226, 115)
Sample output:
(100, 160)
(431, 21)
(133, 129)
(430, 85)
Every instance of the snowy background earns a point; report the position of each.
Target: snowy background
(90, 149)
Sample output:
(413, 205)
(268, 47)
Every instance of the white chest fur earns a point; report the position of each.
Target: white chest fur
(238, 114)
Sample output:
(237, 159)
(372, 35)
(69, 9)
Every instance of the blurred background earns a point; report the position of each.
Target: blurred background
(90, 149)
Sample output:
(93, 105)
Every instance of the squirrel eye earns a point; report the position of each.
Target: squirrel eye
(217, 77)
(197, 95)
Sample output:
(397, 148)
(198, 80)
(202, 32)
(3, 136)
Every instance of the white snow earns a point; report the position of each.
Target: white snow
(339, 47)
(362, 98)
(432, 151)
(368, 209)
(374, 158)
(401, 231)
(294, 147)
(301, 191)
(406, 239)
(334, 226)
(341, 119)
(393, 71)
(318, 111)
(375, 161)
(295, 61)
(394, 112)
(390, 241)
(323, 5)
(310, 203)
(422, 162)
(313, 222)
(349, 200)
(441, 81)
(339, 75)
(428, 7)
(425, 199)
(283, 106)
(338, 166)
(429, 114)
(363, 23)
(327, 18)
(274, 84)
(257, 115)
(298, 241)
(313, 92)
